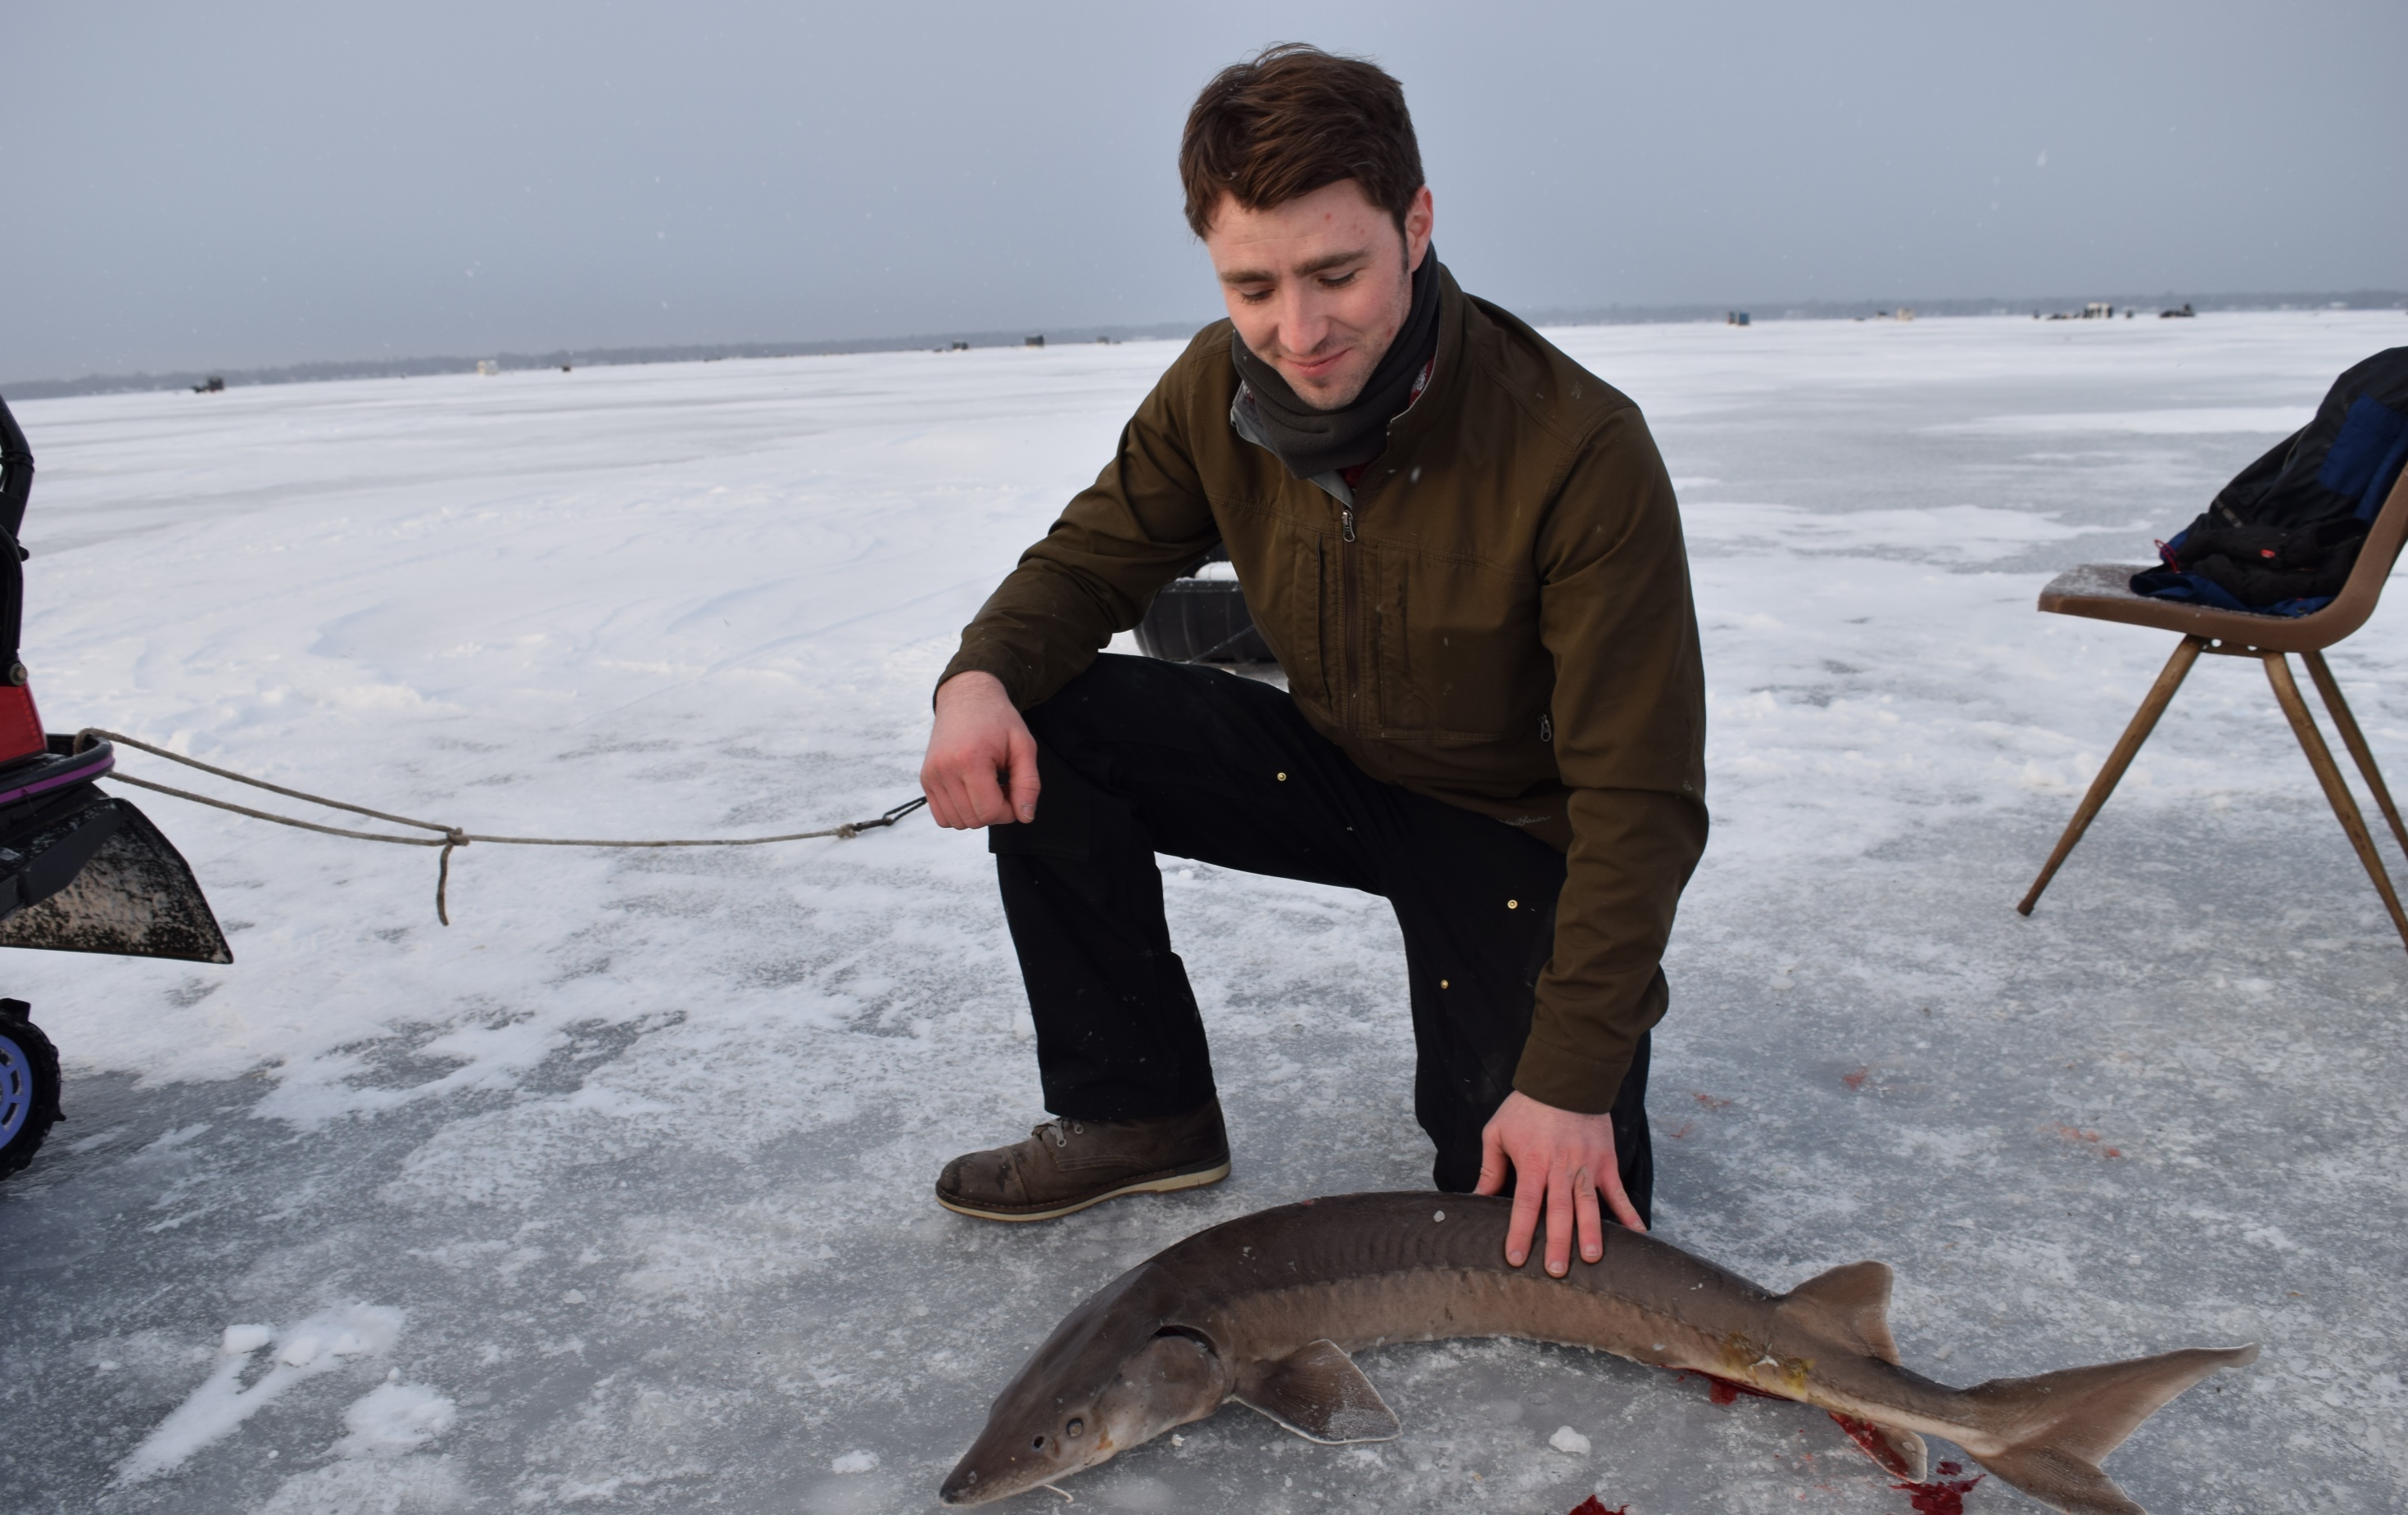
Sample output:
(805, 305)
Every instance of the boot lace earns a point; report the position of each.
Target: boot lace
(1059, 1130)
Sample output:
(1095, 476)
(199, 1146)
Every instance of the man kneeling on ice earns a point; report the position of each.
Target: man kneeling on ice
(1464, 550)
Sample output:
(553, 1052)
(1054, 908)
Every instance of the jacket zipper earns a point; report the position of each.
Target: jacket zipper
(1351, 714)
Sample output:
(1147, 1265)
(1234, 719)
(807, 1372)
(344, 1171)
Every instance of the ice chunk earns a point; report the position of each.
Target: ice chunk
(394, 1418)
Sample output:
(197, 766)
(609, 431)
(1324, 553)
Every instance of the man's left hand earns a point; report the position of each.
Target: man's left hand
(1561, 1162)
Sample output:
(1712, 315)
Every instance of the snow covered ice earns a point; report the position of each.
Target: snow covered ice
(615, 1192)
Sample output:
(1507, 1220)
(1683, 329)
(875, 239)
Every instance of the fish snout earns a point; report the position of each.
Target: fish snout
(987, 1472)
(961, 1485)
(1043, 1431)
(1006, 1462)
(972, 1483)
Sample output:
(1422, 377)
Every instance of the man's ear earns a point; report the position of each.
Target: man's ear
(1419, 217)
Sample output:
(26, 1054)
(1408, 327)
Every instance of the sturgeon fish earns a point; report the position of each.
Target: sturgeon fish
(1264, 1310)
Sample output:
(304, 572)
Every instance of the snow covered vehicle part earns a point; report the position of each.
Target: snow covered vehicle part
(1202, 618)
(82, 871)
(29, 1086)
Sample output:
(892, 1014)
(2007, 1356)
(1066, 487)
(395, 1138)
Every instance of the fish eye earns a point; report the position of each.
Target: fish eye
(1076, 1426)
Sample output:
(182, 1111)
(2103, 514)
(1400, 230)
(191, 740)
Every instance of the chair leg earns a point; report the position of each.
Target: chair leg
(2287, 690)
(2355, 740)
(2144, 720)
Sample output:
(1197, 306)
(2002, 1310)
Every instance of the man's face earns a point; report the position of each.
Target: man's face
(1320, 286)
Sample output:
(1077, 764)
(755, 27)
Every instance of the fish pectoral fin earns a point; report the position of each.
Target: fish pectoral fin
(1319, 1394)
(1900, 1452)
(1848, 1303)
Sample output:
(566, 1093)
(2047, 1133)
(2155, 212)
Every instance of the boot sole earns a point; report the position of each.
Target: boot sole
(1169, 1184)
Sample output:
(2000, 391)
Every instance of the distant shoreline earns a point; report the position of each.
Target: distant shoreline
(1611, 315)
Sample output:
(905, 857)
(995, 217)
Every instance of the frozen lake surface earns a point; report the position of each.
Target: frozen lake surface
(615, 1192)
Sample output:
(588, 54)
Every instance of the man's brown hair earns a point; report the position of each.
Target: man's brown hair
(1292, 119)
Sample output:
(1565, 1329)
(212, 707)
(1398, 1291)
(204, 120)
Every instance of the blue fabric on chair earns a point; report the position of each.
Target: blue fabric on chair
(2367, 455)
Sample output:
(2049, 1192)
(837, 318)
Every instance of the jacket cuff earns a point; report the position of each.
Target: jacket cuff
(1584, 1083)
(987, 660)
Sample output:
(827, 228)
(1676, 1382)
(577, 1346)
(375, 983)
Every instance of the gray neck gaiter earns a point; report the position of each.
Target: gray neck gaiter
(1312, 441)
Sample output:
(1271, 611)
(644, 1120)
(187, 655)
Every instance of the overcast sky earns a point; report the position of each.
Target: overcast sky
(236, 184)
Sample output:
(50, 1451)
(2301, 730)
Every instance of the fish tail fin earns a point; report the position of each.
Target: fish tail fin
(2055, 1429)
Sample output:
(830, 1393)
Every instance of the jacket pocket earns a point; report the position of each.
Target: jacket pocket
(1459, 649)
(1404, 703)
(1299, 608)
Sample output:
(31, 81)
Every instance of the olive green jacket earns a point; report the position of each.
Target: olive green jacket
(1497, 615)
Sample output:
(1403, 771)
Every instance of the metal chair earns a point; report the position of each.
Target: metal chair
(2102, 591)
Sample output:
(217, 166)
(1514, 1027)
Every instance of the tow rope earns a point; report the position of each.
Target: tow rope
(449, 838)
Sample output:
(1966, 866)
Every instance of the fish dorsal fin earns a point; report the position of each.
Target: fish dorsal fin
(1850, 1304)
(1319, 1394)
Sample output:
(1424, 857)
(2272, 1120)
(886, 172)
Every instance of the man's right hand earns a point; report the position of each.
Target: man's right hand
(981, 764)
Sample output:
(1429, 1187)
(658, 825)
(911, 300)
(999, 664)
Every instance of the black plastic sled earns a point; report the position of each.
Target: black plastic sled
(80, 870)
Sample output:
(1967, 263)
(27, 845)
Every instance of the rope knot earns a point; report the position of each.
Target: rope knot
(452, 837)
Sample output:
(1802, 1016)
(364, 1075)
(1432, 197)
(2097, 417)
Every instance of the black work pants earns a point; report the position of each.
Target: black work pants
(1139, 757)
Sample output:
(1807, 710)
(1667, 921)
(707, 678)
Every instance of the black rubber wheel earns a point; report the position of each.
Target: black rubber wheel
(29, 1087)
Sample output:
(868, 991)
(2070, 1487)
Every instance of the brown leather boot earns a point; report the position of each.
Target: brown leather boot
(1069, 1164)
